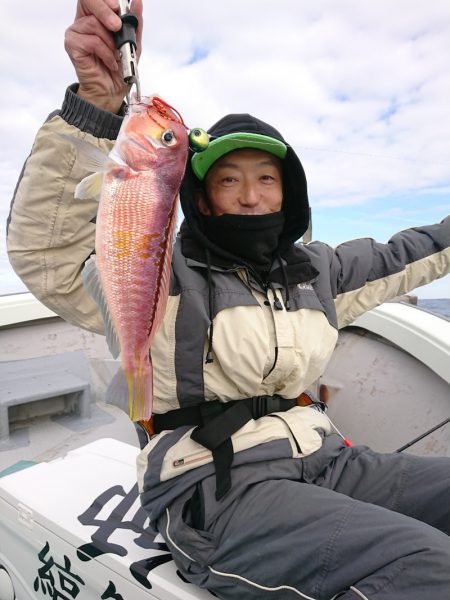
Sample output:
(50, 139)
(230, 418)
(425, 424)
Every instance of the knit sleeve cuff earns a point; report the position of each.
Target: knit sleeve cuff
(89, 118)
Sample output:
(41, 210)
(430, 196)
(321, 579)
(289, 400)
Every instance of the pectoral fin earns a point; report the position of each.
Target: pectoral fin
(89, 156)
(90, 187)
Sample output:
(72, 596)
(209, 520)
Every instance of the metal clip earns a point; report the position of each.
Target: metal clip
(125, 40)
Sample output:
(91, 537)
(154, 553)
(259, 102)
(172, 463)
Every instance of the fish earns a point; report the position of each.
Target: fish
(137, 185)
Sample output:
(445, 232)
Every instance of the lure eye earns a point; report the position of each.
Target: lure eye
(198, 139)
(168, 138)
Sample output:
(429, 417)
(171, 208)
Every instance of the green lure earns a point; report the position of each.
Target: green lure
(198, 140)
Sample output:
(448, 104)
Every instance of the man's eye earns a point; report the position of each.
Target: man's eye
(267, 178)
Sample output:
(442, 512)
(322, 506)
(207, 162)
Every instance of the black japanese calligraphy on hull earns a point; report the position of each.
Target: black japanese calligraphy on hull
(111, 593)
(101, 543)
(65, 586)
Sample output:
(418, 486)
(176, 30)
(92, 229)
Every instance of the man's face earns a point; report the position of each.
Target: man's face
(243, 182)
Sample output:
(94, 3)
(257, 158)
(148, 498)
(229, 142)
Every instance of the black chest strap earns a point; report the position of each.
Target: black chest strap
(215, 424)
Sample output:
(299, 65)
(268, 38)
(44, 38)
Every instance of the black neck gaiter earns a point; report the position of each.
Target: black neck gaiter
(253, 238)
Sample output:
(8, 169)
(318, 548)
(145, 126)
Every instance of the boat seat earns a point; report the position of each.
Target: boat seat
(64, 375)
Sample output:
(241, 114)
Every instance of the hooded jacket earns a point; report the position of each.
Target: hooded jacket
(259, 347)
(295, 196)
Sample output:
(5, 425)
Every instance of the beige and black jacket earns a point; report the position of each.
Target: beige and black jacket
(257, 349)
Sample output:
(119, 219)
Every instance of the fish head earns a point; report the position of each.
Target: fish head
(153, 136)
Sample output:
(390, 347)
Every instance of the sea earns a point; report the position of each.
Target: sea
(439, 306)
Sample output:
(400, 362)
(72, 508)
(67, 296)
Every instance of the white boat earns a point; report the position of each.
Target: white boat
(71, 525)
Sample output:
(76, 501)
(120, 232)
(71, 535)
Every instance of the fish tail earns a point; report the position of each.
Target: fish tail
(140, 392)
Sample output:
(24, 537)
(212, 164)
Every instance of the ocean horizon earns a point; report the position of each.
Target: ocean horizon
(438, 306)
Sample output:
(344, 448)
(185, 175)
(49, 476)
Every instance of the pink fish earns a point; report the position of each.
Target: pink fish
(138, 186)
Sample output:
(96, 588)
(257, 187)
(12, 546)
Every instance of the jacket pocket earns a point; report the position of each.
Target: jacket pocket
(307, 426)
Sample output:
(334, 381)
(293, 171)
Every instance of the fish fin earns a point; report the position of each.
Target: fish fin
(140, 392)
(132, 392)
(93, 284)
(89, 156)
(90, 187)
(117, 392)
(166, 272)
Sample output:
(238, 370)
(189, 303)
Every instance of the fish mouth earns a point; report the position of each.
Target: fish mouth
(154, 144)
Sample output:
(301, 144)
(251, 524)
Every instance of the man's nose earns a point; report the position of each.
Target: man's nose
(251, 195)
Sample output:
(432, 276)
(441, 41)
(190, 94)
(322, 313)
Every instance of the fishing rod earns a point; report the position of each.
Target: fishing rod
(323, 402)
(423, 435)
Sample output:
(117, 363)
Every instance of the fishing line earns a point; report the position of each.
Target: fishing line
(368, 155)
(349, 152)
(330, 150)
(253, 142)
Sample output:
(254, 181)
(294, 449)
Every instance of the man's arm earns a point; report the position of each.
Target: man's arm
(50, 233)
(365, 273)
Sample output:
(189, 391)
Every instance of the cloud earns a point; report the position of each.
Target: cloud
(360, 89)
(198, 54)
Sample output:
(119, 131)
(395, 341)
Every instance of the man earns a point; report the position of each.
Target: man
(254, 495)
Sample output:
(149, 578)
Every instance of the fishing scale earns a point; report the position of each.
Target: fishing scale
(125, 40)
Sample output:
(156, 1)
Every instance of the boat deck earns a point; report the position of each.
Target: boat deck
(43, 438)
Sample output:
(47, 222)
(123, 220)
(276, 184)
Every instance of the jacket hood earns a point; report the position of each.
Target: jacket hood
(295, 196)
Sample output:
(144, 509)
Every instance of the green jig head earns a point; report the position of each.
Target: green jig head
(198, 139)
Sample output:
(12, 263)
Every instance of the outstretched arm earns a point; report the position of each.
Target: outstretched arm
(365, 273)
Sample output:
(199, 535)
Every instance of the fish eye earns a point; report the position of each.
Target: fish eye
(198, 140)
(168, 138)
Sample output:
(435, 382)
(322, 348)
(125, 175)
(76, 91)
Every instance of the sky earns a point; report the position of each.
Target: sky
(360, 88)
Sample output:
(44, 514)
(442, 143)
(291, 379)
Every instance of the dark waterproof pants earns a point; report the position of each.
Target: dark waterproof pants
(343, 523)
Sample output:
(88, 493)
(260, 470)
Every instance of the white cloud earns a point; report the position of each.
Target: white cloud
(327, 74)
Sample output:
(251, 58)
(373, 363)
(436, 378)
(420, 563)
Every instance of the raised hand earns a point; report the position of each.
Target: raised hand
(90, 45)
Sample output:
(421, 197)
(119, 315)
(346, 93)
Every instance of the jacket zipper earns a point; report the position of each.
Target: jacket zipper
(181, 462)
